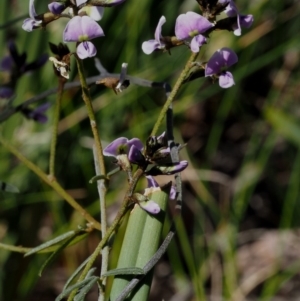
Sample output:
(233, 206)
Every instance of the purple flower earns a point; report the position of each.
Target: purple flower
(83, 29)
(56, 8)
(191, 26)
(151, 45)
(33, 22)
(241, 21)
(38, 114)
(122, 146)
(222, 58)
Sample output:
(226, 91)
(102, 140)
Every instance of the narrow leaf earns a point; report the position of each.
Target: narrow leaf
(82, 293)
(66, 292)
(125, 271)
(77, 271)
(51, 242)
(55, 253)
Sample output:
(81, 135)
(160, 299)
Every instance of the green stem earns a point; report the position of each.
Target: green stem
(105, 251)
(55, 128)
(87, 99)
(174, 92)
(111, 229)
(52, 183)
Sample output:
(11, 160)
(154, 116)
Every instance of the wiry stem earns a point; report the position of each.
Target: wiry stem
(90, 111)
(174, 92)
(55, 128)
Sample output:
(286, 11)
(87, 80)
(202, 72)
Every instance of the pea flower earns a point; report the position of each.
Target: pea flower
(149, 46)
(33, 22)
(241, 20)
(192, 26)
(222, 58)
(123, 146)
(82, 29)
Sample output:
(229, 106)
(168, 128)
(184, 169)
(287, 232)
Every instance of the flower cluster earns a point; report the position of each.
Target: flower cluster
(193, 30)
(154, 159)
(82, 27)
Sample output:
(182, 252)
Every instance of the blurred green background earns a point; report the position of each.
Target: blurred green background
(239, 238)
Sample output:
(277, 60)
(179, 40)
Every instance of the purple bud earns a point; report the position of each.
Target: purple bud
(241, 20)
(56, 8)
(135, 156)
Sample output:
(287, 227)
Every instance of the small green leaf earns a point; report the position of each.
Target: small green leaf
(124, 271)
(8, 187)
(82, 293)
(82, 283)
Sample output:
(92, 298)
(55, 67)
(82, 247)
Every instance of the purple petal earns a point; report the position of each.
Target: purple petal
(214, 64)
(246, 21)
(157, 34)
(191, 24)
(150, 206)
(226, 80)
(135, 142)
(95, 12)
(116, 147)
(30, 24)
(56, 8)
(91, 28)
(6, 63)
(86, 49)
(6, 92)
(172, 194)
(197, 42)
(32, 12)
(224, 57)
(151, 182)
(231, 9)
(73, 30)
(149, 46)
(135, 156)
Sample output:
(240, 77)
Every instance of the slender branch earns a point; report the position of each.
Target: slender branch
(90, 111)
(55, 127)
(52, 183)
(174, 92)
